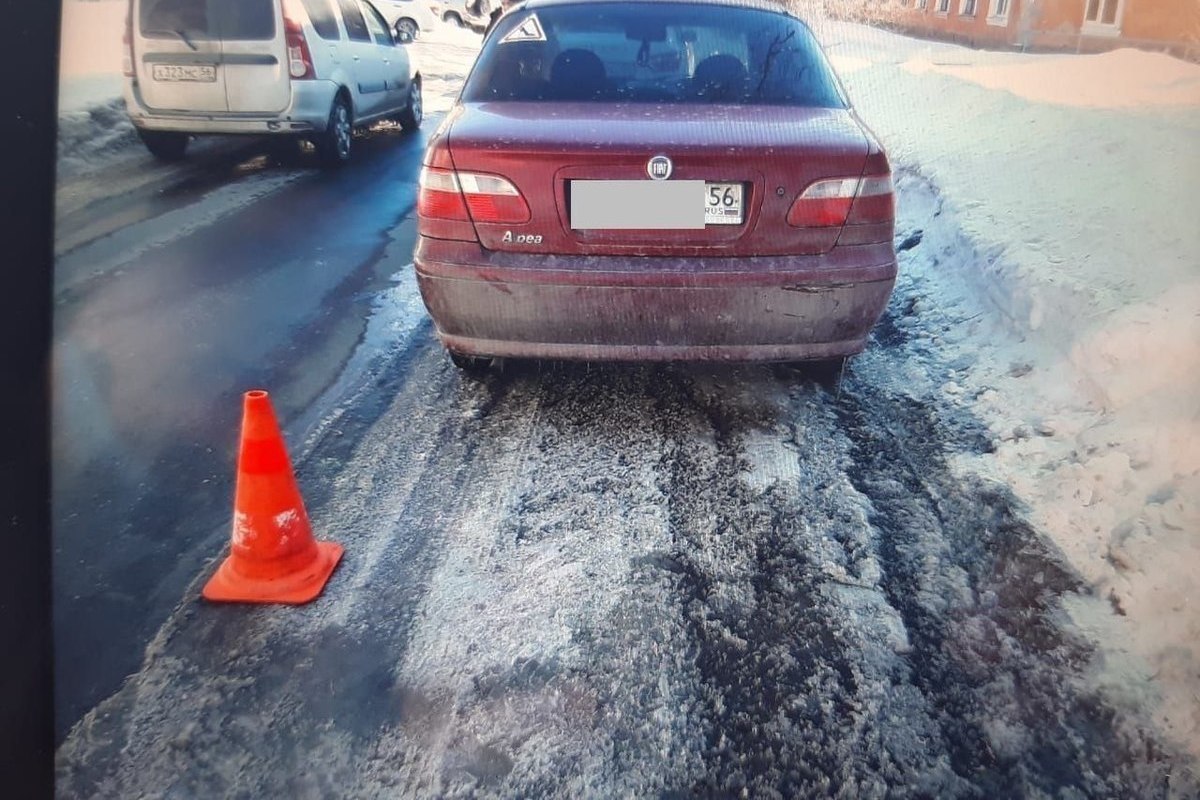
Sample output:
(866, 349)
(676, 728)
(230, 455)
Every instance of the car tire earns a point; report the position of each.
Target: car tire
(453, 18)
(408, 25)
(475, 366)
(333, 144)
(165, 145)
(410, 118)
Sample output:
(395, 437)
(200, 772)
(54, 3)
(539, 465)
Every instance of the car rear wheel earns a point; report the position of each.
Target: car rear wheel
(165, 145)
(472, 365)
(410, 118)
(333, 145)
(407, 28)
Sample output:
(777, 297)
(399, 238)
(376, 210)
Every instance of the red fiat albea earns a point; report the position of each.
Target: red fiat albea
(654, 179)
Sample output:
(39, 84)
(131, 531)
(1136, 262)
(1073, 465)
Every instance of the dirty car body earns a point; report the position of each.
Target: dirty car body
(662, 180)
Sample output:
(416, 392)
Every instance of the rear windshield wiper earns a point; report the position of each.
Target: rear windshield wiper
(181, 34)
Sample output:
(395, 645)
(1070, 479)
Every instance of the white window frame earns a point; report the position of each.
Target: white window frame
(943, 8)
(1001, 19)
(921, 4)
(962, 8)
(1098, 28)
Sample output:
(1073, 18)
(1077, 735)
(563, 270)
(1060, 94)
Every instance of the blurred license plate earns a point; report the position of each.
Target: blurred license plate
(180, 73)
(654, 205)
(722, 204)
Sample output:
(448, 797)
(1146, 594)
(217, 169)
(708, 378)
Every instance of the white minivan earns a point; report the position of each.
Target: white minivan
(291, 68)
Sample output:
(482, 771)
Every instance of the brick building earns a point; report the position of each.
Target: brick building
(1084, 26)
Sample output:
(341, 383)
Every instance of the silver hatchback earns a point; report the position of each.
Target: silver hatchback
(292, 68)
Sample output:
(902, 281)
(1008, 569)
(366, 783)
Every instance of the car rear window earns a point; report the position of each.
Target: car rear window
(653, 53)
(249, 20)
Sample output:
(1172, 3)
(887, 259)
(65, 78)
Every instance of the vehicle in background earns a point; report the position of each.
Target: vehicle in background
(679, 180)
(286, 68)
(410, 18)
(473, 14)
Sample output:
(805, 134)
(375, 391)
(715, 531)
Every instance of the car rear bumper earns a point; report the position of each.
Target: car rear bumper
(307, 112)
(492, 303)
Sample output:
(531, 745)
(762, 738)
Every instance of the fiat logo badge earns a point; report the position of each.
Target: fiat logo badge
(659, 168)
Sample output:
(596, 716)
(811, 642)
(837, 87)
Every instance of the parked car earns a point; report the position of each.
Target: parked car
(473, 14)
(410, 18)
(676, 179)
(285, 68)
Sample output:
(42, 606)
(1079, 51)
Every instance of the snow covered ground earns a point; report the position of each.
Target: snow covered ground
(1059, 266)
(1050, 284)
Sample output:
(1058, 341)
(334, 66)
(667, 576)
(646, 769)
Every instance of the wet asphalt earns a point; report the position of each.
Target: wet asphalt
(153, 350)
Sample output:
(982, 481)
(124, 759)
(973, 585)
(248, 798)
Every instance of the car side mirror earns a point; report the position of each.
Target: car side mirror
(403, 37)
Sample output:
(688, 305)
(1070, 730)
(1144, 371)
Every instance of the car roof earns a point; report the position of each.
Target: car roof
(762, 5)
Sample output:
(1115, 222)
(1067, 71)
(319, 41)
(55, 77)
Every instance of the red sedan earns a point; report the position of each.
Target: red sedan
(654, 180)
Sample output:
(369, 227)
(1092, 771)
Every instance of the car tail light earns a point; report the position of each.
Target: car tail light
(824, 204)
(440, 196)
(875, 201)
(446, 194)
(300, 65)
(493, 199)
(127, 39)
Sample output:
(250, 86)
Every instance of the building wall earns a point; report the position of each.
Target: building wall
(954, 26)
(1059, 25)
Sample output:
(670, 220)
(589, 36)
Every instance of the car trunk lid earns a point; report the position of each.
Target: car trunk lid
(773, 152)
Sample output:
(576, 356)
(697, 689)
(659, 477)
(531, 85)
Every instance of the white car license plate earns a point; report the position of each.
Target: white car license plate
(654, 205)
(722, 204)
(181, 73)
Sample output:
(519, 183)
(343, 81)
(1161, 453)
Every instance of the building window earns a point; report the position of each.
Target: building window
(998, 14)
(943, 7)
(1102, 13)
(967, 8)
(921, 4)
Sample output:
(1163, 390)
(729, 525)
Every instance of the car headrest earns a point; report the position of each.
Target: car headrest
(577, 75)
(720, 77)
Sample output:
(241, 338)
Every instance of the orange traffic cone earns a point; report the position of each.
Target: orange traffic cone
(273, 557)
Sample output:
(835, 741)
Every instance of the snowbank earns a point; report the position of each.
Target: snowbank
(1060, 276)
(1132, 79)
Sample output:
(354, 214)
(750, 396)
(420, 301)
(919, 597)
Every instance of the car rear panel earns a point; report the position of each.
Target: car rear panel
(774, 151)
(240, 41)
(599, 307)
(256, 64)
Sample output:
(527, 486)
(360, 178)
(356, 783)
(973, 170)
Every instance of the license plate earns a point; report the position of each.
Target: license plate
(722, 204)
(185, 73)
(654, 205)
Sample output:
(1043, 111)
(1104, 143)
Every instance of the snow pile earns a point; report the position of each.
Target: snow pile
(1058, 273)
(88, 134)
(1123, 78)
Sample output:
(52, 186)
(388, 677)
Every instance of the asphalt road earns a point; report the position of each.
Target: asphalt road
(561, 580)
(178, 292)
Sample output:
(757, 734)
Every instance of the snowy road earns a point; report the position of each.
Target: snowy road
(574, 580)
(636, 581)
(620, 581)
